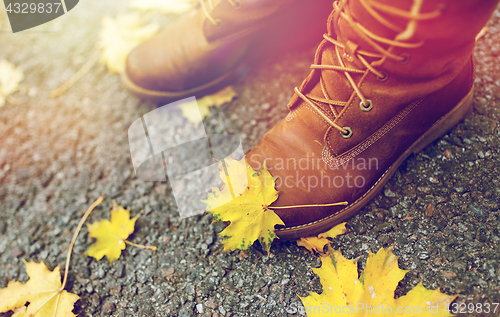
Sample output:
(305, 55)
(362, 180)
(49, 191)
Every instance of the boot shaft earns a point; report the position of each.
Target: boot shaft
(232, 16)
(383, 86)
(394, 51)
(430, 37)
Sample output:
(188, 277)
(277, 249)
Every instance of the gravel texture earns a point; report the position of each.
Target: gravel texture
(440, 210)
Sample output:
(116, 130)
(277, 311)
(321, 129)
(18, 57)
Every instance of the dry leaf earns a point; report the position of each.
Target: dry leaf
(4, 23)
(318, 243)
(164, 6)
(195, 113)
(120, 36)
(10, 77)
(111, 235)
(346, 295)
(251, 218)
(235, 175)
(42, 292)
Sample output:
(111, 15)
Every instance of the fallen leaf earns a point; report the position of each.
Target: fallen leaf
(481, 33)
(164, 6)
(10, 77)
(111, 235)
(192, 111)
(347, 295)
(43, 293)
(121, 35)
(4, 23)
(318, 243)
(249, 214)
(234, 175)
(196, 112)
(219, 98)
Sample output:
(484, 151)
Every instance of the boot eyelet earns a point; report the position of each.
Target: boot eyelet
(384, 77)
(365, 107)
(218, 23)
(349, 133)
(406, 58)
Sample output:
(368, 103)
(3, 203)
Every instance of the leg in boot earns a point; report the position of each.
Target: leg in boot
(395, 78)
(206, 50)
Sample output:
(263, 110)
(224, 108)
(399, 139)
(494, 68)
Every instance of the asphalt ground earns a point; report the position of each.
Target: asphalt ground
(440, 210)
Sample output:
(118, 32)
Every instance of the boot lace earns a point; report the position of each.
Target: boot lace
(208, 5)
(381, 55)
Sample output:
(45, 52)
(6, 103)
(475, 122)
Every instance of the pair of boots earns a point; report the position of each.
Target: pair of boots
(388, 78)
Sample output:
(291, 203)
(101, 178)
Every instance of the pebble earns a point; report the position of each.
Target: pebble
(222, 310)
(16, 252)
(199, 308)
(120, 269)
(389, 193)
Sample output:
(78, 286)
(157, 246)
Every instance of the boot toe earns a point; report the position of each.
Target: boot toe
(301, 179)
(156, 65)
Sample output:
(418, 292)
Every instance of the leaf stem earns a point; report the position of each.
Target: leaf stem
(14, 101)
(140, 246)
(482, 33)
(227, 178)
(300, 206)
(82, 221)
(77, 76)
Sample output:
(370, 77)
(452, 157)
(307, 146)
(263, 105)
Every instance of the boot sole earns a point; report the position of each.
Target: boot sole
(441, 127)
(159, 97)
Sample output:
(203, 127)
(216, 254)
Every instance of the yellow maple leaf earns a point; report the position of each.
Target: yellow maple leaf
(164, 6)
(249, 213)
(4, 23)
(373, 293)
(195, 112)
(43, 293)
(235, 175)
(318, 243)
(111, 235)
(121, 35)
(10, 77)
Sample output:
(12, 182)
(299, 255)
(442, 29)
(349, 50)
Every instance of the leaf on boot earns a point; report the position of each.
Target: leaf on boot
(111, 235)
(10, 77)
(318, 243)
(196, 113)
(42, 292)
(251, 218)
(120, 36)
(164, 6)
(375, 288)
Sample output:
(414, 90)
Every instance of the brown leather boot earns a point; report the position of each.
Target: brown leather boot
(398, 76)
(206, 50)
